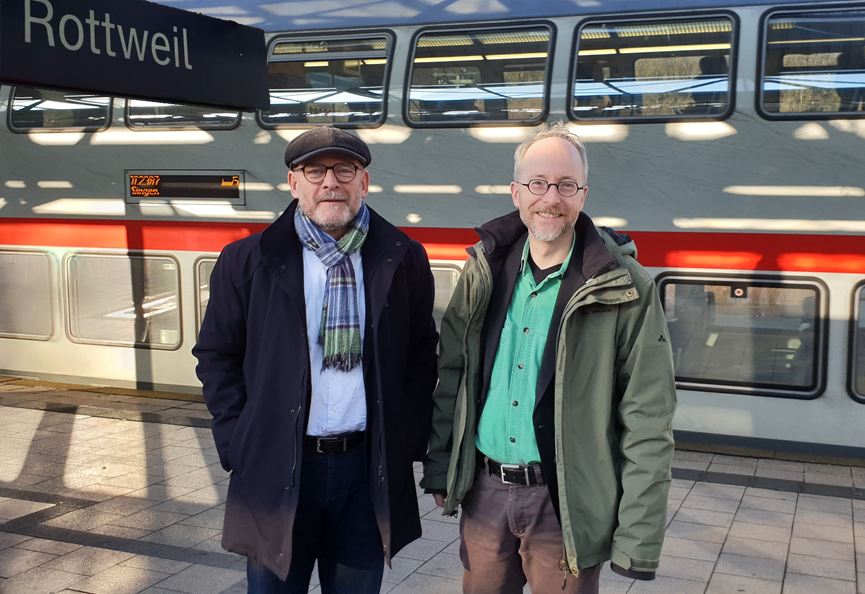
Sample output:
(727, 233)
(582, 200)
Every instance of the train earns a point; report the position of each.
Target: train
(727, 139)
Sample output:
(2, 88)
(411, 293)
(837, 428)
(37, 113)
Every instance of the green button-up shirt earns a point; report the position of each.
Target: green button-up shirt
(506, 431)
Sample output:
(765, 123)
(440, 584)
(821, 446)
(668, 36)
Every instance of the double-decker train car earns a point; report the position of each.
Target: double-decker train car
(727, 139)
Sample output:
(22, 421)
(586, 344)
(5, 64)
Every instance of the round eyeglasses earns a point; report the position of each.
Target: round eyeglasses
(316, 172)
(539, 187)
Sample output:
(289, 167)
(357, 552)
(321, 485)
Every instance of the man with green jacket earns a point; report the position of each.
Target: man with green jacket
(552, 423)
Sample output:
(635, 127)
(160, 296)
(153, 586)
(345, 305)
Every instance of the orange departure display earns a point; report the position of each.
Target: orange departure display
(185, 185)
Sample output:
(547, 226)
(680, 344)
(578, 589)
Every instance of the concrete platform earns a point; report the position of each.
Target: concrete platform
(115, 493)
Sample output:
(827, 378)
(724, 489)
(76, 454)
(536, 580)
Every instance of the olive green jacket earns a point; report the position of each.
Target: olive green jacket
(614, 402)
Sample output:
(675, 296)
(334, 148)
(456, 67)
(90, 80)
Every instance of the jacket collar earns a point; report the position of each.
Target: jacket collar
(499, 236)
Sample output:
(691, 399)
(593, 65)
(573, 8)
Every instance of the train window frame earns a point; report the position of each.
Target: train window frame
(26, 130)
(475, 28)
(127, 107)
(446, 267)
(821, 332)
(389, 56)
(69, 289)
(855, 314)
(51, 296)
(199, 318)
(732, 69)
(762, 35)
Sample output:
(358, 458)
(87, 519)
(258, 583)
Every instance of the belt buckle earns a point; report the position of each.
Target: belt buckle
(504, 467)
(318, 449)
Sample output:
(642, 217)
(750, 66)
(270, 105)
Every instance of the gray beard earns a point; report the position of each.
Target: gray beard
(331, 225)
(545, 237)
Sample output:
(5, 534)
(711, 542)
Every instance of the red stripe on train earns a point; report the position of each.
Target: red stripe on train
(721, 251)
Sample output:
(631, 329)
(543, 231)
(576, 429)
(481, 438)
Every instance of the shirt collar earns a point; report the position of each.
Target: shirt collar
(526, 269)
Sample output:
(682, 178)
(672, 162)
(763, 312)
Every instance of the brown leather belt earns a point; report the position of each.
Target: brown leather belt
(516, 474)
(334, 444)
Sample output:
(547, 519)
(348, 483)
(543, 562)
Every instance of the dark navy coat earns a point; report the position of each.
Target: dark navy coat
(253, 359)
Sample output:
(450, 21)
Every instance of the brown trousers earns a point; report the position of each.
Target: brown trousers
(509, 535)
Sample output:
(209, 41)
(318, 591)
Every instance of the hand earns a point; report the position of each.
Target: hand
(440, 499)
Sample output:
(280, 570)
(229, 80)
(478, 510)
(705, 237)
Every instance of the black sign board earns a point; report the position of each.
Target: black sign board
(132, 48)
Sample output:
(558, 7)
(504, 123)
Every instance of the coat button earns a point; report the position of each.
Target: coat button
(399, 243)
(283, 266)
(390, 259)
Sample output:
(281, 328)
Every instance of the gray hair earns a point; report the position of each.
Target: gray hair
(557, 130)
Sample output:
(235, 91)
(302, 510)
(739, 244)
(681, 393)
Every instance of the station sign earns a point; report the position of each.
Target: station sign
(133, 48)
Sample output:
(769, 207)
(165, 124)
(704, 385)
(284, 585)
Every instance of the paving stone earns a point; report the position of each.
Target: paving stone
(181, 535)
(711, 503)
(822, 548)
(784, 475)
(686, 569)
(7, 539)
(667, 585)
(168, 566)
(88, 560)
(731, 469)
(787, 465)
(753, 567)
(719, 491)
(835, 505)
(149, 520)
(420, 583)
(613, 587)
(400, 569)
(199, 579)
(691, 465)
(769, 518)
(767, 504)
(14, 561)
(700, 516)
(443, 565)
(810, 516)
(54, 547)
(120, 531)
(691, 549)
(722, 583)
(439, 530)
(120, 580)
(822, 567)
(760, 531)
(819, 478)
(823, 532)
(211, 518)
(750, 547)
(16, 508)
(808, 584)
(696, 531)
(40, 581)
(422, 549)
(83, 520)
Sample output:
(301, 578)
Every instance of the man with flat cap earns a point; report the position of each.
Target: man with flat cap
(318, 360)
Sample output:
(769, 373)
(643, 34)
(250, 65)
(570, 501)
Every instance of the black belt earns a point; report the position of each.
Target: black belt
(517, 474)
(336, 444)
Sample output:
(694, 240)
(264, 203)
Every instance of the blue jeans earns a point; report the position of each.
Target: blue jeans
(336, 526)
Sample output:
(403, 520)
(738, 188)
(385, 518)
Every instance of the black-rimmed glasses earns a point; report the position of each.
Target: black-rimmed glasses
(316, 172)
(539, 187)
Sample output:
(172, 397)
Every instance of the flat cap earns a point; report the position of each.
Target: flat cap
(325, 139)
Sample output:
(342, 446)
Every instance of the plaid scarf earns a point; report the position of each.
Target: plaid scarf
(340, 322)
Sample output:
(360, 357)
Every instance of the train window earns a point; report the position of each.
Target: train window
(43, 109)
(124, 300)
(482, 76)
(205, 268)
(149, 114)
(814, 63)
(857, 343)
(26, 308)
(653, 69)
(446, 278)
(333, 81)
(748, 335)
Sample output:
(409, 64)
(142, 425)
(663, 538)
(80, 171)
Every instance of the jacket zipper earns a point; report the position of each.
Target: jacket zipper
(579, 299)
